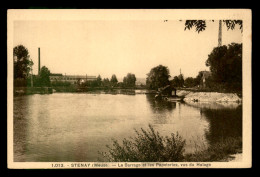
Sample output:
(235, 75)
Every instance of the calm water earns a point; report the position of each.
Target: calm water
(74, 127)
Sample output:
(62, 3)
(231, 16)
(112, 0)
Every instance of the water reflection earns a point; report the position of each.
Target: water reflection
(160, 106)
(178, 117)
(223, 123)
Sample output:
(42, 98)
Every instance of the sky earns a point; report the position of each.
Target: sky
(109, 47)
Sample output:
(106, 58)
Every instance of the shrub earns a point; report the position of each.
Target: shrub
(147, 146)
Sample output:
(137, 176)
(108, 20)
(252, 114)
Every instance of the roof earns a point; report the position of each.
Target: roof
(55, 74)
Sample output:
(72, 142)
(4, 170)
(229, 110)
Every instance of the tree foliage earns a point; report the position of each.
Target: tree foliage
(44, 77)
(158, 77)
(198, 78)
(106, 82)
(99, 80)
(22, 62)
(190, 82)
(178, 81)
(225, 64)
(129, 80)
(201, 25)
(113, 80)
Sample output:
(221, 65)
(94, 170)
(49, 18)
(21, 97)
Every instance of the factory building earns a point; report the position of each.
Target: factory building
(58, 77)
(73, 79)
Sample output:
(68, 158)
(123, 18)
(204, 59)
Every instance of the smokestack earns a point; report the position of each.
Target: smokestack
(39, 61)
(220, 34)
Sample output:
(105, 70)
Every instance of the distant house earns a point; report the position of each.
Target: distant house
(205, 76)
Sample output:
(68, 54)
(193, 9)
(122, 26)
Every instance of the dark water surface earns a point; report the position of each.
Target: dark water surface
(73, 127)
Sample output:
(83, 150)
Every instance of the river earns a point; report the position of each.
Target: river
(73, 127)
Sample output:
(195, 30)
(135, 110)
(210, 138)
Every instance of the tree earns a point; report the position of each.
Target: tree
(225, 64)
(175, 81)
(106, 82)
(113, 80)
(181, 80)
(178, 81)
(22, 62)
(44, 77)
(201, 25)
(158, 77)
(190, 82)
(99, 80)
(129, 80)
(198, 78)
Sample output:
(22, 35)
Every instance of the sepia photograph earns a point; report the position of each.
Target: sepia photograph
(129, 88)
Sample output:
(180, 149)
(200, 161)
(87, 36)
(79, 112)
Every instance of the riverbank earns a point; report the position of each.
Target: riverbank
(191, 96)
(32, 90)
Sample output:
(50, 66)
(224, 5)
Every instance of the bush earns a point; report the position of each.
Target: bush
(147, 146)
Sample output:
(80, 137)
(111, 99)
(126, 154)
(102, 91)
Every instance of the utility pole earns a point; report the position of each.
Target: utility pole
(39, 61)
(31, 77)
(220, 34)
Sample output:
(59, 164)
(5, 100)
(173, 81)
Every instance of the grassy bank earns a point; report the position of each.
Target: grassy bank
(150, 146)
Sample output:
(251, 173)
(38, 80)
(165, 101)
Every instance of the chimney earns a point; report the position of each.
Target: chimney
(39, 61)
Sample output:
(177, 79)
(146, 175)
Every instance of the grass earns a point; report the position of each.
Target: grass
(150, 146)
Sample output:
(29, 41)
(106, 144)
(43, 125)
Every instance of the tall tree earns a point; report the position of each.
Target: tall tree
(225, 64)
(190, 82)
(106, 82)
(22, 62)
(198, 78)
(129, 80)
(44, 77)
(99, 80)
(178, 81)
(181, 80)
(158, 77)
(113, 80)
